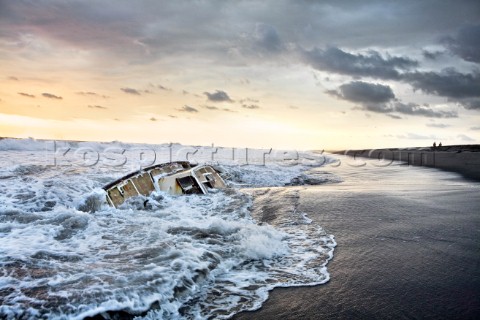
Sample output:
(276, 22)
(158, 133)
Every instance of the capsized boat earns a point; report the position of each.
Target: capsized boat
(175, 178)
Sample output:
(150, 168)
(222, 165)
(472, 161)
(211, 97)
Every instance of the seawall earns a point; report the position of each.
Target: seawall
(462, 159)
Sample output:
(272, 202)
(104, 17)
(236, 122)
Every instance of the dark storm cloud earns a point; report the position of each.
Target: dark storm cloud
(124, 30)
(128, 34)
(218, 96)
(363, 65)
(78, 23)
(51, 96)
(370, 96)
(466, 43)
(448, 83)
(432, 55)
(131, 91)
(422, 110)
(26, 95)
(186, 108)
(381, 99)
(266, 38)
(462, 88)
(364, 92)
(156, 30)
(471, 103)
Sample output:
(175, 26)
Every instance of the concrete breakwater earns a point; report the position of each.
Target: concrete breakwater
(464, 159)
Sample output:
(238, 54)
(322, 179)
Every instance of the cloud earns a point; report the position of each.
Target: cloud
(217, 109)
(26, 94)
(438, 125)
(448, 83)
(365, 93)
(432, 55)
(51, 96)
(218, 96)
(250, 106)
(153, 119)
(462, 88)
(266, 38)
(457, 86)
(465, 138)
(155, 31)
(475, 128)
(210, 107)
(97, 107)
(246, 100)
(131, 91)
(466, 43)
(422, 110)
(370, 96)
(91, 94)
(13, 78)
(163, 88)
(186, 108)
(371, 64)
(393, 116)
(470, 103)
(381, 99)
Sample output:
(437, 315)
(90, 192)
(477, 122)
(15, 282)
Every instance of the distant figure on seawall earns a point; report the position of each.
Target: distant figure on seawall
(434, 145)
(440, 145)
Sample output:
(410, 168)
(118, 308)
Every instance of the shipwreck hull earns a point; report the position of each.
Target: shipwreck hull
(174, 178)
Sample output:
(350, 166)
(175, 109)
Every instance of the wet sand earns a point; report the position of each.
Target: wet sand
(408, 247)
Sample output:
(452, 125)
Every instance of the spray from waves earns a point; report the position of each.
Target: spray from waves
(199, 256)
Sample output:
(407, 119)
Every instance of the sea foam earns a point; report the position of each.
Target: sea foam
(67, 254)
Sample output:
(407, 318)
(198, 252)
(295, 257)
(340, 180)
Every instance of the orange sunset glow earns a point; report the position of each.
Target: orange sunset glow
(238, 74)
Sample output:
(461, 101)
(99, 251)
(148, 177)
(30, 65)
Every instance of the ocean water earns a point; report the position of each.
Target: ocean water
(65, 254)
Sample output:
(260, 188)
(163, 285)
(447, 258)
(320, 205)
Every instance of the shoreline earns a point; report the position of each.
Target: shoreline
(407, 248)
(462, 159)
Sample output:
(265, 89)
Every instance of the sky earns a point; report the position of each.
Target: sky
(263, 74)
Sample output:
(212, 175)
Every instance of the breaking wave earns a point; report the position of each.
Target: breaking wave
(67, 254)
